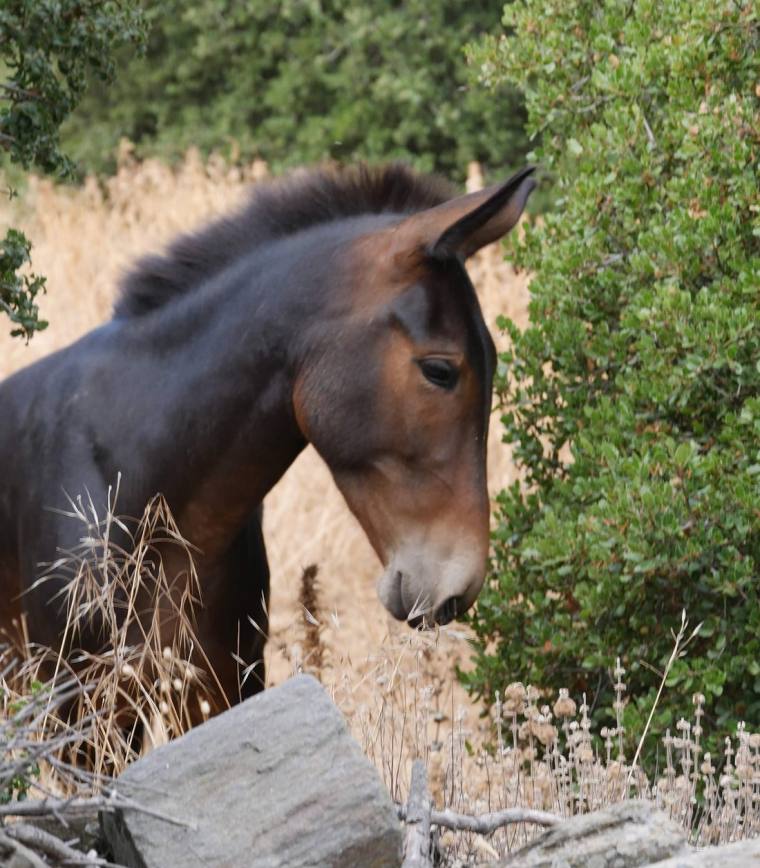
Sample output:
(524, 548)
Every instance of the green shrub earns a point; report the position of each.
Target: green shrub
(48, 48)
(633, 398)
(299, 82)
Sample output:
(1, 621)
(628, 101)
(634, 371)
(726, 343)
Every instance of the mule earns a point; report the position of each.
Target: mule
(334, 309)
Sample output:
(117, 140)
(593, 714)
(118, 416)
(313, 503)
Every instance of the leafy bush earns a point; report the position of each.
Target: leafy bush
(633, 398)
(295, 83)
(18, 291)
(47, 50)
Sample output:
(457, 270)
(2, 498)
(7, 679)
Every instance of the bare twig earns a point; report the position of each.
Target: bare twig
(48, 844)
(417, 843)
(486, 824)
(678, 647)
(650, 134)
(18, 851)
(74, 807)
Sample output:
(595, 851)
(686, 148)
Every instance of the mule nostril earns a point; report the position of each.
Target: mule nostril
(449, 609)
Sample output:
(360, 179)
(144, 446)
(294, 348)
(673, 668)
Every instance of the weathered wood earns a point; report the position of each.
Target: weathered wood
(49, 845)
(417, 842)
(13, 854)
(485, 824)
(626, 835)
(66, 809)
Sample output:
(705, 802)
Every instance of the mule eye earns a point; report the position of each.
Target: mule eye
(440, 372)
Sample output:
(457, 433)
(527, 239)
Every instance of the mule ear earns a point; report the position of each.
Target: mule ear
(466, 224)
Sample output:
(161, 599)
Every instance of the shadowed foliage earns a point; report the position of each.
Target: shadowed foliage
(634, 395)
(298, 83)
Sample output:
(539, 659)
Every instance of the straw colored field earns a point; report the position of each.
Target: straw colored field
(84, 239)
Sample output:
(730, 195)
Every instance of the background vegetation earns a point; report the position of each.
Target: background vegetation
(299, 82)
(48, 49)
(633, 398)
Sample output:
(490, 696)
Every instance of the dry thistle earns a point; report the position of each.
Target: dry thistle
(313, 649)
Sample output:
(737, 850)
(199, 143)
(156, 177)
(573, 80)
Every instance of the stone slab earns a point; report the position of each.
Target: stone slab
(627, 835)
(740, 854)
(275, 781)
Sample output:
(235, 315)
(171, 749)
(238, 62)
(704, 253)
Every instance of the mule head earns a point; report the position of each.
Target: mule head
(395, 395)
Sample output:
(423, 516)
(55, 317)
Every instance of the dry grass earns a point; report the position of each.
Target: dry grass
(397, 689)
(133, 689)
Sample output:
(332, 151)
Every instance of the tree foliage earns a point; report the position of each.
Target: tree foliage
(306, 80)
(48, 48)
(634, 394)
(18, 291)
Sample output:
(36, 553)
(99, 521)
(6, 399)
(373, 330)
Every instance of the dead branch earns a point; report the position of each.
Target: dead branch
(485, 824)
(48, 844)
(15, 850)
(417, 842)
(73, 807)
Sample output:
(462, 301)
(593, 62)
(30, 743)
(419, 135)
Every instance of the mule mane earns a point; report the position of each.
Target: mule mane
(275, 209)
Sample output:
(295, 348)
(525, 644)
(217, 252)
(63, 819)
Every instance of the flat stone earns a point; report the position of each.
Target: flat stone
(740, 854)
(627, 835)
(275, 781)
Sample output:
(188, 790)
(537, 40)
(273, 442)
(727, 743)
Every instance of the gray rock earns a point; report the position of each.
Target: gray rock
(275, 781)
(626, 835)
(741, 854)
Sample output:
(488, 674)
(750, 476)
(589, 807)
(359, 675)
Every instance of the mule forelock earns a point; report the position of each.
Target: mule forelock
(276, 209)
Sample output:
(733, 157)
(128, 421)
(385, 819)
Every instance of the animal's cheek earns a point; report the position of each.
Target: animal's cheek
(337, 417)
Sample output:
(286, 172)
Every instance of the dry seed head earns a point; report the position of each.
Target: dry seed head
(533, 693)
(515, 693)
(615, 770)
(744, 772)
(177, 684)
(564, 706)
(546, 733)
